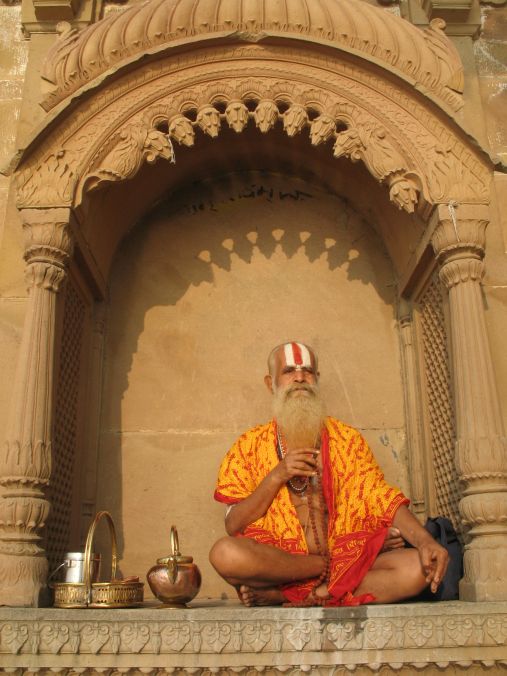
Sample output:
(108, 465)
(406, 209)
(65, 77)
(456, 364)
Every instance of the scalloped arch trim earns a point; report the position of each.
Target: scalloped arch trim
(426, 58)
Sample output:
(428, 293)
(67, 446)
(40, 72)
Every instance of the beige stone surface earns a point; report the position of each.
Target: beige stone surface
(496, 302)
(12, 314)
(12, 282)
(13, 57)
(186, 346)
(495, 286)
(224, 638)
(491, 60)
(196, 289)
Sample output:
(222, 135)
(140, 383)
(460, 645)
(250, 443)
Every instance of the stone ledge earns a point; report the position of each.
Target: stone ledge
(228, 638)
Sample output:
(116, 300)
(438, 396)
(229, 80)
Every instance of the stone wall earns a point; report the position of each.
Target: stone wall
(160, 439)
(13, 60)
(490, 52)
(200, 293)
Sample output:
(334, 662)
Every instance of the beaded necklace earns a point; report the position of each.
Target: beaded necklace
(300, 486)
(305, 484)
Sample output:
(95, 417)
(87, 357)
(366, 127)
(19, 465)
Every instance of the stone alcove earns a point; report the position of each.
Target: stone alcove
(325, 108)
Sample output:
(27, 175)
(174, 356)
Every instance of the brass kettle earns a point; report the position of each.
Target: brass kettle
(176, 579)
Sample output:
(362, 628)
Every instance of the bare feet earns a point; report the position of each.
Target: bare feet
(321, 591)
(271, 596)
(267, 596)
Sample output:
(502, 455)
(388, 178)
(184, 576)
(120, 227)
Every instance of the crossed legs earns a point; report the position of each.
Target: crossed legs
(257, 571)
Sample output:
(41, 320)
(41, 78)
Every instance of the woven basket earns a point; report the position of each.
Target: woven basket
(87, 594)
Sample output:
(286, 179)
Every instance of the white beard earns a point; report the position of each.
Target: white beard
(299, 417)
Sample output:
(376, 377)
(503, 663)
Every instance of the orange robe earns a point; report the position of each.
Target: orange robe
(360, 504)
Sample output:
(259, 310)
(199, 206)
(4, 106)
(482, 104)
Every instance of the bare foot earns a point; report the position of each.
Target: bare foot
(267, 596)
(321, 592)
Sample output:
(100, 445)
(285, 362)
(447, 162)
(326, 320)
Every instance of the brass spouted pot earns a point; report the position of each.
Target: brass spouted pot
(175, 580)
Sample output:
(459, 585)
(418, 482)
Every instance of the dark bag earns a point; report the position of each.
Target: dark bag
(443, 532)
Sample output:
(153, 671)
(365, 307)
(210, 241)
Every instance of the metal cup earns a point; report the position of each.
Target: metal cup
(73, 565)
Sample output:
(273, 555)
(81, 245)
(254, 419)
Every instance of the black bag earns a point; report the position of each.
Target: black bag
(443, 532)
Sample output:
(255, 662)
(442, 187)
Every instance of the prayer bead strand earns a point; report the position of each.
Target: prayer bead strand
(312, 599)
(306, 485)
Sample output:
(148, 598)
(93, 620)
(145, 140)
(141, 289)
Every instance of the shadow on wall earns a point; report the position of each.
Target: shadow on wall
(199, 293)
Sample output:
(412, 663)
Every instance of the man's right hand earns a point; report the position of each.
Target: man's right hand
(298, 462)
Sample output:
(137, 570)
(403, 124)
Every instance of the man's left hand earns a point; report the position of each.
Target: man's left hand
(393, 540)
(434, 561)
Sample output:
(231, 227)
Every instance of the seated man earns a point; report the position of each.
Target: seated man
(310, 518)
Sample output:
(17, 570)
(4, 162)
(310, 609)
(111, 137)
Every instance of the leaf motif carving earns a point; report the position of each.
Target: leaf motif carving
(132, 146)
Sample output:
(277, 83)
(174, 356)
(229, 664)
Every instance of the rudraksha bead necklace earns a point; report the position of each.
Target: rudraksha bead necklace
(312, 599)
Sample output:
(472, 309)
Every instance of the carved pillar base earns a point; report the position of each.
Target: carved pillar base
(23, 565)
(27, 577)
(484, 578)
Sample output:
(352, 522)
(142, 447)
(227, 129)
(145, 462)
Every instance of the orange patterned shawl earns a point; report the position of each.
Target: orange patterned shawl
(360, 503)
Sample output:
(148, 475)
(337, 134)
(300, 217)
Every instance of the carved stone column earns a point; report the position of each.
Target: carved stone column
(25, 463)
(412, 413)
(481, 447)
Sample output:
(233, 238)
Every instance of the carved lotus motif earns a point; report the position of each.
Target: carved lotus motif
(321, 129)
(403, 192)
(265, 115)
(236, 115)
(208, 119)
(180, 129)
(294, 119)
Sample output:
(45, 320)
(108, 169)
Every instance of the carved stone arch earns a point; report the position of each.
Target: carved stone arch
(383, 124)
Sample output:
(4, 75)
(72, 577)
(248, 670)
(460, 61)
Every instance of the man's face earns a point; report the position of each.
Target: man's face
(294, 372)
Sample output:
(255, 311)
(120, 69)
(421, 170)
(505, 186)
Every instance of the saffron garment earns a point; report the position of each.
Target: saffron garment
(360, 504)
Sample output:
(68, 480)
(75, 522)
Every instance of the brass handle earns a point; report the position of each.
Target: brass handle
(88, 550)
(175, 543)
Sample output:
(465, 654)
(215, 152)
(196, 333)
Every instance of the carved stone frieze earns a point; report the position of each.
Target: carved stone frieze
(427, 57)
(398, 140)
(403, 639)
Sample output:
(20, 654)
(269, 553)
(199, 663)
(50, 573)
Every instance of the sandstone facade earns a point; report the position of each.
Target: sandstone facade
(188, 184)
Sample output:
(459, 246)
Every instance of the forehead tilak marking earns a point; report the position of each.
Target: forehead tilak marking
(297, 354)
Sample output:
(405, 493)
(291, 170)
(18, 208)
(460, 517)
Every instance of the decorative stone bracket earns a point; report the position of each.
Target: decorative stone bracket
(363, 140)
(25, 464)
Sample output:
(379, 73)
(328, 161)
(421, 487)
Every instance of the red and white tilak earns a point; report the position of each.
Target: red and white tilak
(297, 354)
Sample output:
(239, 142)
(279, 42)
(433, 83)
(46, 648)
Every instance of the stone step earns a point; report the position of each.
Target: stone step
(212, 636)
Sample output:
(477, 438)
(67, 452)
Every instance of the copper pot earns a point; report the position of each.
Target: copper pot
(175, 580)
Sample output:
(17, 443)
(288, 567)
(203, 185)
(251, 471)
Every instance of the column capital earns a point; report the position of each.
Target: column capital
(48, 237)
(460, 231)
(49, 244)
